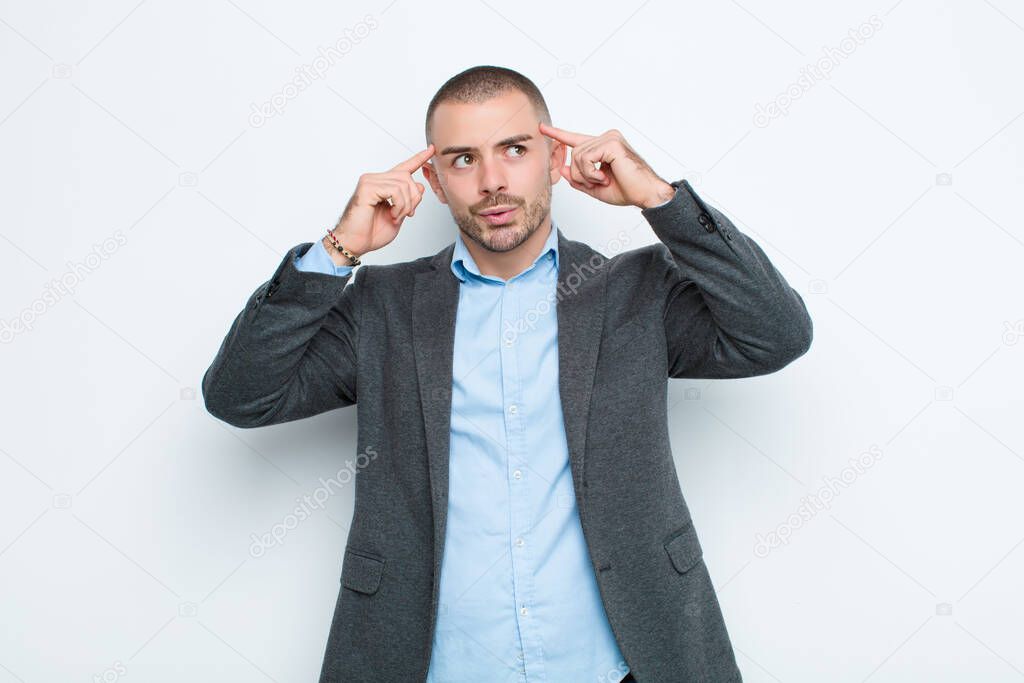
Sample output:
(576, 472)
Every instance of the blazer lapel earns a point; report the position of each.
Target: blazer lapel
(580, 315)
(434, 306)
(580, 311)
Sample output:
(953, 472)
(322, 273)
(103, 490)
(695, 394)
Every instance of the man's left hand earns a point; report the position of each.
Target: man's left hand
(607, 168)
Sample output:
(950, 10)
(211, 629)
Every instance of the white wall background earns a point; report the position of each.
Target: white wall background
(888, 194)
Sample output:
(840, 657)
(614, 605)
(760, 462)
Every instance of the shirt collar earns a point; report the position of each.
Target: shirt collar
(463, 263)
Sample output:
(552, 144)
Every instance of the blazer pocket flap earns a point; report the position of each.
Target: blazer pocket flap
(361, 572)
(684, 548)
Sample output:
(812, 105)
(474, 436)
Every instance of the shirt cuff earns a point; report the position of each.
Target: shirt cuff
(317, 260)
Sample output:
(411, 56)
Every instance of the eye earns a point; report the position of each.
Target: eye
(456, 161)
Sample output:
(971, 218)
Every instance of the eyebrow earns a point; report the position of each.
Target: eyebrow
(523, 137)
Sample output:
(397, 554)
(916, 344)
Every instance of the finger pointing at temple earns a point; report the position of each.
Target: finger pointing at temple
(413, 163)
(564, 136)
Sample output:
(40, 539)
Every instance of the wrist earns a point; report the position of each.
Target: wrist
(337, 256)
(661, 193)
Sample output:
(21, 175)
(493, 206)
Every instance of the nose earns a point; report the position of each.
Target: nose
(492, 178)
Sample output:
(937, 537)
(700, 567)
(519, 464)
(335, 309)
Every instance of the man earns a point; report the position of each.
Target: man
(520, 518)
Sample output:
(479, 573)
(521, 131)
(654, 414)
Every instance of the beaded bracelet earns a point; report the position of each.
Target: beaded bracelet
(337, 245)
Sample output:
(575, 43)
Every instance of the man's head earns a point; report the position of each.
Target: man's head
(489, 153)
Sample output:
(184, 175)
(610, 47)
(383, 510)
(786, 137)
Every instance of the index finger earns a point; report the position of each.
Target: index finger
(415, 161)
(564, 136)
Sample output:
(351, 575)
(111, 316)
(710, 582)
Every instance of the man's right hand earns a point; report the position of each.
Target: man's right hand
(369, 222)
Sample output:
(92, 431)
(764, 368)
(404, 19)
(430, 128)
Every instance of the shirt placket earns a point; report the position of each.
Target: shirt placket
(530, 655)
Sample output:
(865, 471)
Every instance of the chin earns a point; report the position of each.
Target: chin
(504, 238)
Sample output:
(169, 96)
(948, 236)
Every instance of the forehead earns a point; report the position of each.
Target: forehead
(483, 124)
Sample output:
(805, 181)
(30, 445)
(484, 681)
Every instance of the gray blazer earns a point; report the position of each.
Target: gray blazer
(705, 302)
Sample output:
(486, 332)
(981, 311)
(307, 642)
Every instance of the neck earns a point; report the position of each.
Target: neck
(508, 264)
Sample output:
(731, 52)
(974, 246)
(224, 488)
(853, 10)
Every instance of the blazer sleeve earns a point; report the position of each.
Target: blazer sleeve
(291, 351)
(728, 312)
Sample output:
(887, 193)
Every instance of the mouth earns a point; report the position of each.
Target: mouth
(499, 215)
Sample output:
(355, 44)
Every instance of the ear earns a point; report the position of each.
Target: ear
(435, 183)
(557, 159)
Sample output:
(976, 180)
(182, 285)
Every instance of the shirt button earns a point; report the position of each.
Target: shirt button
(512, 409)
(517, 474)
(508, 342)
(520, 542)
(523, 610)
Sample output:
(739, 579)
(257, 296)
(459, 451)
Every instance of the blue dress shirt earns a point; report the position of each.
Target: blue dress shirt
(518, 600)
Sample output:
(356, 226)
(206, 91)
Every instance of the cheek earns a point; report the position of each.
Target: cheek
(458, 188)
(531, 178)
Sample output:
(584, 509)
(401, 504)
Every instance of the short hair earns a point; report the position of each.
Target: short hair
(481, 83)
